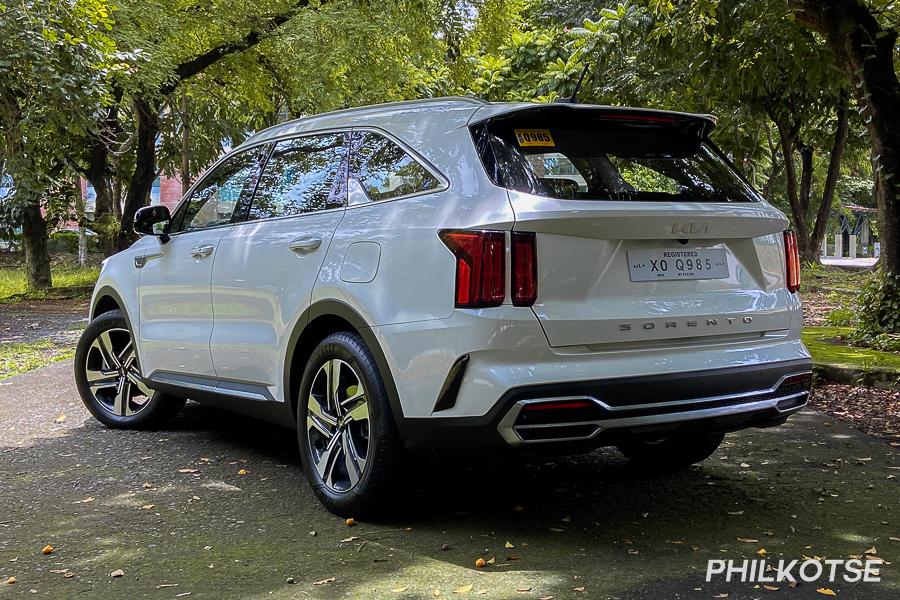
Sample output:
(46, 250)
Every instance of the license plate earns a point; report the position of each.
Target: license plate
(677, 263)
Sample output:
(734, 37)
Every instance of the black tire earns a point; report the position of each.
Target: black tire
(351, 359)
(671, 454)
(140, 407)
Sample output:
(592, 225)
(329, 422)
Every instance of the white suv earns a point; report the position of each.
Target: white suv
(462, 274)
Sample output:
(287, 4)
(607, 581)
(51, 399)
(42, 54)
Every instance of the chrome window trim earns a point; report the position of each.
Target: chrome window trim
(422, 161)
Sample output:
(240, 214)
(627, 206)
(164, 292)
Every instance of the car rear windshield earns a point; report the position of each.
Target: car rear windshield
(577, 154)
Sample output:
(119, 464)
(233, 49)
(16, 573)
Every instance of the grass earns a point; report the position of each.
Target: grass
(19, 357)
(820, 277)
(69, 279)
(826, 347)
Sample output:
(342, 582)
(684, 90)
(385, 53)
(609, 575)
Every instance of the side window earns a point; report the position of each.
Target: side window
(385, 170)
(214, 200)
(302, 175)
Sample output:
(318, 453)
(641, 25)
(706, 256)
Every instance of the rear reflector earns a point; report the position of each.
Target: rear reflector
(480, 267)
(524, 268)
(557, 405)
(792, 261)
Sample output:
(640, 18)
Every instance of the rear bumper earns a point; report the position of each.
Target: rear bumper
(604, 412)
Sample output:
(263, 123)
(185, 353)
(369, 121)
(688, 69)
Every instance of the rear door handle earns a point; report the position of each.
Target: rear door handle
(305, 244)
(199, 252)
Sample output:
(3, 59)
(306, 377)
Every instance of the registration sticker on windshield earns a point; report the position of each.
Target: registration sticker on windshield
(534, 137)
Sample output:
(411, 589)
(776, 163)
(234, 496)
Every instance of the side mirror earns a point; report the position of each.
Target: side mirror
(153, 220)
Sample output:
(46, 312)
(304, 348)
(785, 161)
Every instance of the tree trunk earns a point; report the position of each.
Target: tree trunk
(104, 214)
(37, 254)
(831, 177)
(867, 53)
(794, 191)
(144, 169)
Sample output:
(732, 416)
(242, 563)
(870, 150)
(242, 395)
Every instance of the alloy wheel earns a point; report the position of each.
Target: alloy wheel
(113, 374)
(337, 425)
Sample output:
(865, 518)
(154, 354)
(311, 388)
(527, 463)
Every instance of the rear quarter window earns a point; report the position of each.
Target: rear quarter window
(385, 170)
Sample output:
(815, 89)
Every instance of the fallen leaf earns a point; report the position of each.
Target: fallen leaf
(117, 573)
(400, 590)
(147, 485)
(761, 552)
(10, 580)
(492, 560)
(188, 470)
(557, 530)
(166, 585)
(736, 512)
(523, 590)
(147, 507)
(60, 419)
(747, 540)
(182, 594)
(578, 589)
(352, 538)
(771, 588)
(243, 472)
(873, 551)
(894, 539)
(546, 598)
(479, 563)
(508, 545)
(58, 571)
(720, 596)
(48, 549)
(350, 522)
(464, 589)
(325, 581)
(69, 575)
(85, 501)
(745, 466)
(826, 591)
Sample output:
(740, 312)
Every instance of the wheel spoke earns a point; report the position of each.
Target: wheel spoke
(352, 461)
(105, 345)
(99, 379)
(121, 405)
(126, 354)
(137, 380)
(360, 411)
(328, 460)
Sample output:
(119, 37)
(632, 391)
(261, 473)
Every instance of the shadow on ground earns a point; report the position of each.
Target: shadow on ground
(171, 507)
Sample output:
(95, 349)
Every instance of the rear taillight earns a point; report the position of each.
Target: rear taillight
(792, 261)
(524, 268)
(480, 267)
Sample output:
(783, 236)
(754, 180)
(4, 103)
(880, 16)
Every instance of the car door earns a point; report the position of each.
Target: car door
(266, 266)
(174, 296)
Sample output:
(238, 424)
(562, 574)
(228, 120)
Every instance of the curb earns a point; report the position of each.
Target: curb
(886, 379)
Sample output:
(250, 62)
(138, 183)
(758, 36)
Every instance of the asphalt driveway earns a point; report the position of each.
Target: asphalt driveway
(216, 507)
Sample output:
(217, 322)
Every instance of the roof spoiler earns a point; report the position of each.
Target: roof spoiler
(703, 122)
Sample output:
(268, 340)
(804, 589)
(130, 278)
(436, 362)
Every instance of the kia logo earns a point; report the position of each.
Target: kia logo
(692, 228)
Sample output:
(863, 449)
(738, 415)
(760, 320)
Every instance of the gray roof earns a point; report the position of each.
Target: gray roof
(442, 114)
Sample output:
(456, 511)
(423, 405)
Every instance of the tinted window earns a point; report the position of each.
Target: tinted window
(385, 170)
(215, 198)
(577, 155)
(302, 175)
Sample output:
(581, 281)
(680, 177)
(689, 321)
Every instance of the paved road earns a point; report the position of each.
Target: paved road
(109, 500)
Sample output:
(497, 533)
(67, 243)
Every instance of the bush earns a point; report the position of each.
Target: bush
(63, 241)
(841, 317)
(877, 317)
